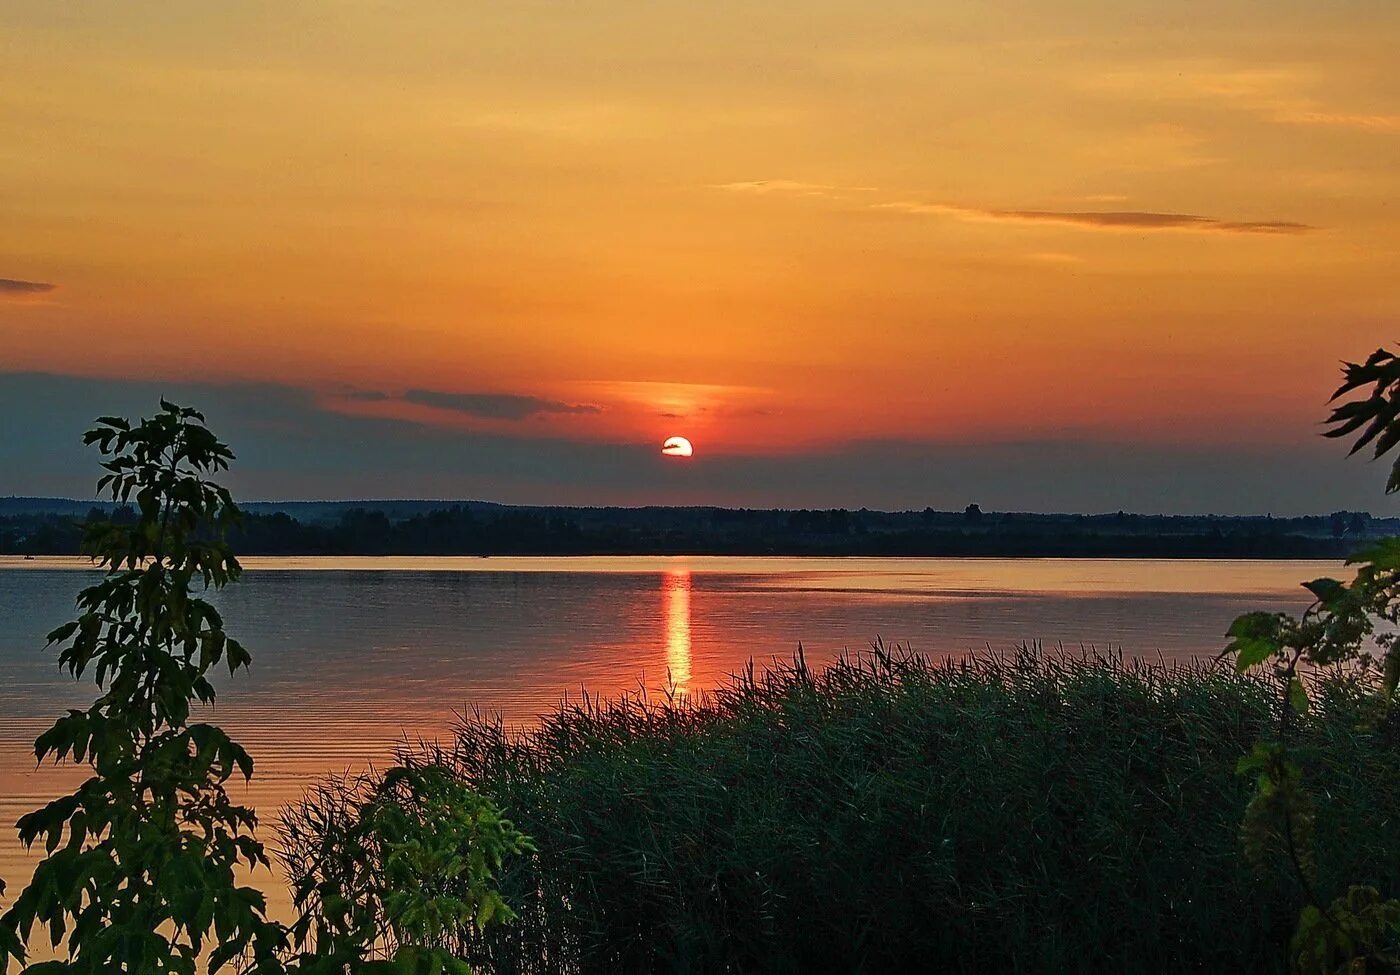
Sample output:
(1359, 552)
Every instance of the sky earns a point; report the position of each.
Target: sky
(1051, 255)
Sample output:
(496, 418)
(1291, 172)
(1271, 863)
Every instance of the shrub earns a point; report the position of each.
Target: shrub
(401, 871)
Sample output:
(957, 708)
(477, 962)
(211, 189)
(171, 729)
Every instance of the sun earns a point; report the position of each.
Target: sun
(677, 447)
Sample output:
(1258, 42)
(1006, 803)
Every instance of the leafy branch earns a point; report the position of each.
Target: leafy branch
(1358, 931)
(141, 860)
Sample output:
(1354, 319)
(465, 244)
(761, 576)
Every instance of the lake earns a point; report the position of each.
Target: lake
(350, 655)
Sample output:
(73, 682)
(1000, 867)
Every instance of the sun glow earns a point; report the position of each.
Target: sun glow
(677, 447)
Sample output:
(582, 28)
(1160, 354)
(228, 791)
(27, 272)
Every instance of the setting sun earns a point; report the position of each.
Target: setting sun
(677, 447)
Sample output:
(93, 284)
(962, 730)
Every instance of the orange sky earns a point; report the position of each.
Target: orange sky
(765, 226)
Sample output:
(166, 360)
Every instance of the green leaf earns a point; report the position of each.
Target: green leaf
(1297, 695)
(1255, 625)
(1392, 671)
(1249, 652)
(1326, 590)
(1256, 638)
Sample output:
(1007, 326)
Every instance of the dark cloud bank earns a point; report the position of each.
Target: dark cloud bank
(485, 406)
(494, 406)
(290, 448)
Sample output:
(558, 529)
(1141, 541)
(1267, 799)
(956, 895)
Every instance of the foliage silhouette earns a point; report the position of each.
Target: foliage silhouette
(1358, 930)
(142, 857)
(140, 872)
(1376, 418)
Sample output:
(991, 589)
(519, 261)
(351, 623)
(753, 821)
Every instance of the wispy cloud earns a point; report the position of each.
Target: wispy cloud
(1344, 120)
(1122, 220)
(494, 406)
(1054, 258)
(791, 187)
(1280, 94)
(14, 286)
(1154, 147)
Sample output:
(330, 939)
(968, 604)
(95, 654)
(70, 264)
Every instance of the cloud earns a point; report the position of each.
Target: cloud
(14, 286)
(790, 187)
(494, 406)
(1278, 94)
(1151, 148)
(290, 446)
(1132, 220)
(1053, 257)
(1344, 120)
(1129, 220)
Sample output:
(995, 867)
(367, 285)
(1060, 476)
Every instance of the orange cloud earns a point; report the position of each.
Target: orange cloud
(794, 188)
(1135, 220)
(1346, 120)
(1276, 94)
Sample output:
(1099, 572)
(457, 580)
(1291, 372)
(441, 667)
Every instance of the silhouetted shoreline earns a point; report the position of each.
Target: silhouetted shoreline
(52, 526)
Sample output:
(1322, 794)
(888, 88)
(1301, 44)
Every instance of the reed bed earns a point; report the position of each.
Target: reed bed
(1027, 811)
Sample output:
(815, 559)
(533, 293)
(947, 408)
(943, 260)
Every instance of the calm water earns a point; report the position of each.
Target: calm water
(351, 655)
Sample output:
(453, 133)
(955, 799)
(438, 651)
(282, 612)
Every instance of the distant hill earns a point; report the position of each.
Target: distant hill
(301, 510)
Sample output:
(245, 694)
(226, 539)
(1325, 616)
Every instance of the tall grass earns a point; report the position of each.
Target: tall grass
(1026, 812)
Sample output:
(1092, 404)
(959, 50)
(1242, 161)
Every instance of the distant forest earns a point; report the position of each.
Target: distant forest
(38, 526)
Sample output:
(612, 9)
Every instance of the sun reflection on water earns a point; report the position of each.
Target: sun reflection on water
(675, 596)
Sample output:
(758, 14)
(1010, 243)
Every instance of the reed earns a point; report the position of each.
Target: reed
(1020, 812)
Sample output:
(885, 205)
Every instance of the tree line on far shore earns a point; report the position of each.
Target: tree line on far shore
(471, 529)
